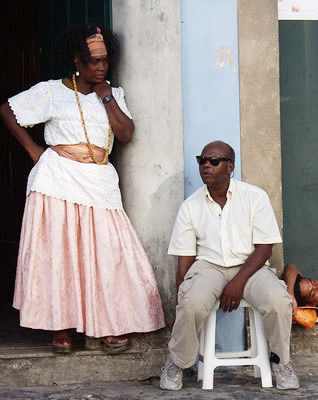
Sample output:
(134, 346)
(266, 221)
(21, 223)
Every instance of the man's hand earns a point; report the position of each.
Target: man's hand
(295, 305)
(233, 291)
(289, 275)
(232, 294)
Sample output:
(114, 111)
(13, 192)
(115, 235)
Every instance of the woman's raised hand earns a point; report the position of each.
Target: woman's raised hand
(102, 89)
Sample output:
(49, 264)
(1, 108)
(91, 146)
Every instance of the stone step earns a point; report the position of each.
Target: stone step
(22, 367)
(32, 365)
(304, 341)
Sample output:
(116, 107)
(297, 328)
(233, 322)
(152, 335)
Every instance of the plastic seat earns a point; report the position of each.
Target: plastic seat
(256, 354)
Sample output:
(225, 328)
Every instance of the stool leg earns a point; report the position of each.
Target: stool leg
(266, 374)
(252, 332)
(209, 350)
(257, 372)
(201, 353)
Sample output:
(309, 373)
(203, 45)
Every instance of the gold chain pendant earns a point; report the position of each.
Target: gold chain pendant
(90, 150)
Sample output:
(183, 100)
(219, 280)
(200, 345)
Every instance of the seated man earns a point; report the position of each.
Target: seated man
(223, 236)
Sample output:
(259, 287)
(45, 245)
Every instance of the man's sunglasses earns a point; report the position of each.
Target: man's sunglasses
(213, 161)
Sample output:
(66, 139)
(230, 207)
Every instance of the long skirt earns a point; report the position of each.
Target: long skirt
(84, 268)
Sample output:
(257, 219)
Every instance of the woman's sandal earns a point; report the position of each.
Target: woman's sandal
(62, 342)
(114, 344)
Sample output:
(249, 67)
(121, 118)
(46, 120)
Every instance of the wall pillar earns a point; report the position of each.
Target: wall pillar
(260, 102)
(151, 167)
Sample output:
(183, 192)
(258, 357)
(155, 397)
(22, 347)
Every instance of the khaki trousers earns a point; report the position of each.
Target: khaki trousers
(202, 287)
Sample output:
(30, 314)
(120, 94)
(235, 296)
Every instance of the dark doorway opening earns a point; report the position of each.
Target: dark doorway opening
(27, 33)
(19, 69)
(299, 124)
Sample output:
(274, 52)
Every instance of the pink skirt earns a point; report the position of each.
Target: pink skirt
(84, 268)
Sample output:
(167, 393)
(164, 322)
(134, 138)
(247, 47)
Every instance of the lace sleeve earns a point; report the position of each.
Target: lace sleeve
(33, 106)
(119, 95)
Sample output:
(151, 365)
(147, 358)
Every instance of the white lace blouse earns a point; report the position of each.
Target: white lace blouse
(82, 183)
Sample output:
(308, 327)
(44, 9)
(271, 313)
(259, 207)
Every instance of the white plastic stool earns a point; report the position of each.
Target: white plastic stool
(256, 355)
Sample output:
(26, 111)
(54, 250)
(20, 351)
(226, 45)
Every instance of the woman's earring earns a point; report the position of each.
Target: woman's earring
(77, 73)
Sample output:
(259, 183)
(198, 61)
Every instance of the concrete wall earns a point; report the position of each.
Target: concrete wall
(151, 166)
(260, 102)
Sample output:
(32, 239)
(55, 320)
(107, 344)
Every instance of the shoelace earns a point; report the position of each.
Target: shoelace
(286, 370)
(289, 367)
(170, 369)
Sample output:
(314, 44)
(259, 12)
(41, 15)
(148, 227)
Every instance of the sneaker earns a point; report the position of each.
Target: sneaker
(171, 376)
(285, 376)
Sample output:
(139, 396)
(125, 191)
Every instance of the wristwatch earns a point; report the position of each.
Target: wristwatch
(107, 99)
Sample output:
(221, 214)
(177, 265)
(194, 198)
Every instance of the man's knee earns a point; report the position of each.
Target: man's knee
(278, 300)
(197, 305)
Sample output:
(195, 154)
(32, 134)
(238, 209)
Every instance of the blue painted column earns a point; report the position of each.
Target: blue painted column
(210, 94)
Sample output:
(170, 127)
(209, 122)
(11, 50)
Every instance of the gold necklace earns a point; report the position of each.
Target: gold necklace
(90, 150)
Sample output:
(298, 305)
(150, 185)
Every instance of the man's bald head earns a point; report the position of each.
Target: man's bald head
(224, 147)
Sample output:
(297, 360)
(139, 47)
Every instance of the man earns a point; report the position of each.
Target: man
(223, 235)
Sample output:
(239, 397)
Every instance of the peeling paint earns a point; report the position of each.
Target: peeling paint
(154, 4)
(157, 169)
(224, 55)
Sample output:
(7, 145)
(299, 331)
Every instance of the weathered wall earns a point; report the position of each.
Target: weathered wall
(151, 166)
(259, 102)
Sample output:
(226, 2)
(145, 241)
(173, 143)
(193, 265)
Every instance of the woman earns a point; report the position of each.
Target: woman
(304, 291)
(80, 263)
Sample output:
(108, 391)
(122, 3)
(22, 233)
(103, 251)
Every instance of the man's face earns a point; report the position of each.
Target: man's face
(311, 295)
(219, 174)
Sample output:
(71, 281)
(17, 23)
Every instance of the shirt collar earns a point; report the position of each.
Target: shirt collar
(230, 190)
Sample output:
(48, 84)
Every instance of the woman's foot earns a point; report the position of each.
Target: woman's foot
(120, 340)
(115, 344)
(62, 342)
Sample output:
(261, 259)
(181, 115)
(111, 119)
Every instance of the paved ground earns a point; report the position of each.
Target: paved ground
(231, 384)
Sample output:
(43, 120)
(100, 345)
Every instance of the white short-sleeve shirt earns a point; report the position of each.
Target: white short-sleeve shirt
(224, 236)
(55, 104)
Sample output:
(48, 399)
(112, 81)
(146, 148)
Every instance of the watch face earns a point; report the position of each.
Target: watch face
(107, 99)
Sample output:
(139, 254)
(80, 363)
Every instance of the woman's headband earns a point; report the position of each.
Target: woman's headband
(96, 46)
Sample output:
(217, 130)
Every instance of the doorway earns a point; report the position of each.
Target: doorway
(27, 34)
(299, 126)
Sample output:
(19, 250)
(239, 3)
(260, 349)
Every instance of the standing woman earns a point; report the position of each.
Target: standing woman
(80, 264)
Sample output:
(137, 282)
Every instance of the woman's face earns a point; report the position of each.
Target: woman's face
(309, 291)
(95, 71)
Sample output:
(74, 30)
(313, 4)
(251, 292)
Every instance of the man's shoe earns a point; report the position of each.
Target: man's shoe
(171, 376)
(285, 376)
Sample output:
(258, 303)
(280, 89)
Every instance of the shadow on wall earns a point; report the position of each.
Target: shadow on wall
(160, 223)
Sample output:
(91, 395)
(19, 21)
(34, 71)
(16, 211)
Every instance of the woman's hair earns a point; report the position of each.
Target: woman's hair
(73, 42)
